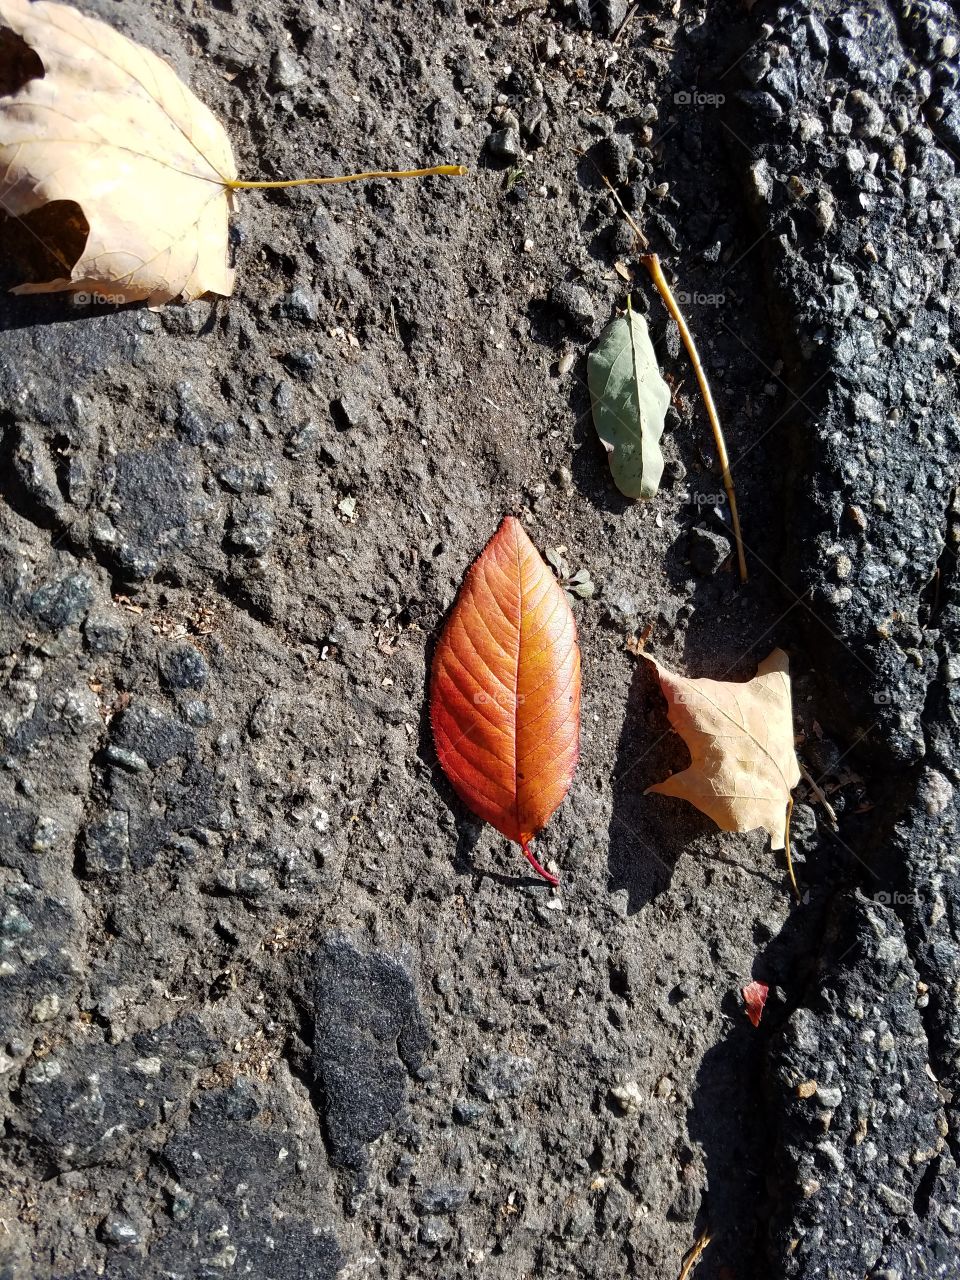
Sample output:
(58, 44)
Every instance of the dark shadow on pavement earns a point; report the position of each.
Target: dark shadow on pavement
(647, 832)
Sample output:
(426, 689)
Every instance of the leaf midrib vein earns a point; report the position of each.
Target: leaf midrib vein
(516, 689)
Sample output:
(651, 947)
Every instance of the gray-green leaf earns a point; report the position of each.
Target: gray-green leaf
(556, 559)
(630, 401)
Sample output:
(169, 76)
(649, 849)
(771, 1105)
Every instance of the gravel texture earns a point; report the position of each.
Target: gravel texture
(271, 1003)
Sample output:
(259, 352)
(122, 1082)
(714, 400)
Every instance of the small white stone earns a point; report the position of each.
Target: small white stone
(628, 1097)
(761, 181)
(936, 791)
(148, 1066)
(46, 1008)
(44, 1071)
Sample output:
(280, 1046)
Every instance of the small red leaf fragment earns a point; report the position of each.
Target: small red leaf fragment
(505, 690)
(754, 998)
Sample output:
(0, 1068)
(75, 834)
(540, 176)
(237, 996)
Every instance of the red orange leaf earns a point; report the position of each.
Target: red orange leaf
(754, 998)
(505, 690)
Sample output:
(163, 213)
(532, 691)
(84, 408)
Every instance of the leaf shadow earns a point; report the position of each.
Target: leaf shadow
(589, 466)
(469, 832)
(591, 472)
(647, 833)
(27, 311)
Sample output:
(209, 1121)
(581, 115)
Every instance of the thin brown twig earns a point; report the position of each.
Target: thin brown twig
(821, 795)
(630, 222)
(625, 23)
(693, 1256)
(652, 262)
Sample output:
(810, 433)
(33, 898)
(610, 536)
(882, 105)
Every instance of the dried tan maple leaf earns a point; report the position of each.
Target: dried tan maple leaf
(740, 737)
(115, 180)
(107, 128)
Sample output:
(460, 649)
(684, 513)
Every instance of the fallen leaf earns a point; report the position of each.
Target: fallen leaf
(116, 182)
(630, 401)
(105, 130)
(754, 998)
(505, 690)
(582, 585)
(555, 560)
(740, 737)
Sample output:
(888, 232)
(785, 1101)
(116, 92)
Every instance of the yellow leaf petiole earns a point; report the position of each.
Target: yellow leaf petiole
(438, 170)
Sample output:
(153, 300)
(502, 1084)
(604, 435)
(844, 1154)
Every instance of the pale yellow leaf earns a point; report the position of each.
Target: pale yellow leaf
(110, 128)
(740, 738)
